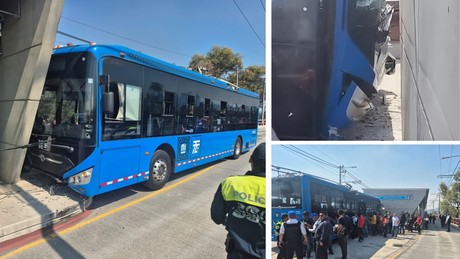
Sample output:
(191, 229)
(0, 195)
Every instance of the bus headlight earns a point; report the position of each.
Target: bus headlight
(82, 177)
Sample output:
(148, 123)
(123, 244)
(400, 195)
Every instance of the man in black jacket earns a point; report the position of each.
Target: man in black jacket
(343, 230)
(323, 236)
(239, 204)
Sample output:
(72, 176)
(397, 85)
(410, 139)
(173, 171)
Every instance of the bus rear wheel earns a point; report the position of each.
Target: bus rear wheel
(160, 170)
(237, 148)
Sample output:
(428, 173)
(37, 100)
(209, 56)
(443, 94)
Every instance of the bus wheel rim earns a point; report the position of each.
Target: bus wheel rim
(160, 168)
(237, 147)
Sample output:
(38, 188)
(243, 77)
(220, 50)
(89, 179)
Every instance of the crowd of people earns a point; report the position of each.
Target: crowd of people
(315, 232)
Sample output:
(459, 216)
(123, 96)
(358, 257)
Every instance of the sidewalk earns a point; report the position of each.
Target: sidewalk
(35, 202)
(376, 247)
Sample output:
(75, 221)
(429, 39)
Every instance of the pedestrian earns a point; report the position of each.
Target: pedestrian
(443, 221)
(246, 231)
(402, 223)
(360, 225)
(367, 224)
(308, 222)
(282, 252)
(331, 251)
(291, 234)
(395, 225)
(343, 231)
(354, 230)
(448, 221)
(316, 221)
(374, 224)
(323, 236)
(418, 224)
(385, 225)
(426, 221)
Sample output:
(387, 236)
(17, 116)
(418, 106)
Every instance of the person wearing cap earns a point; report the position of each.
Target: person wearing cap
(291, 234)
(239, 204)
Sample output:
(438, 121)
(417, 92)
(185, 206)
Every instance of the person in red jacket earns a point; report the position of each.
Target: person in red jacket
(360, 227)
(418, 224)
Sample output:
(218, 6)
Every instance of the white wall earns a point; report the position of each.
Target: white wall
(430, 69)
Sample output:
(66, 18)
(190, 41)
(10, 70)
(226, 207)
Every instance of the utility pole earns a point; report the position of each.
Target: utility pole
(237, 75)
(343, 171)
(263, 100)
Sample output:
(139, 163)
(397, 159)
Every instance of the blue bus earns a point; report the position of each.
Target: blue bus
(110, 117)
(314, 194)
(328, 58)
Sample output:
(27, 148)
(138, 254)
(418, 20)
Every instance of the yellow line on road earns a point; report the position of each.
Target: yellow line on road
(108, 213)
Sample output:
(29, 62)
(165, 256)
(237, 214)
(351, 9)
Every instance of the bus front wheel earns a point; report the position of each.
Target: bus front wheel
(160, 170)
(237, 148)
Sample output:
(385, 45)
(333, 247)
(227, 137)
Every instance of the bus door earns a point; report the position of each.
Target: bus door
(121, 130)
(362, 208)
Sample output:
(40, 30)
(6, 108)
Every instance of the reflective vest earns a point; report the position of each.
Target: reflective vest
(278, 227)
(248, 189)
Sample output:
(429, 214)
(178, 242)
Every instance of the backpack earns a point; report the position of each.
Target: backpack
(339, 230)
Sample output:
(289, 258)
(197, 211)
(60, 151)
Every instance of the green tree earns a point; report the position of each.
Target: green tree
(219, 62)
(251, 78)
(451, 196)
(201, 64)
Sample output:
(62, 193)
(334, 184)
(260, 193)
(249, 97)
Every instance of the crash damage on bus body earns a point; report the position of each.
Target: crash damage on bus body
(328, 60)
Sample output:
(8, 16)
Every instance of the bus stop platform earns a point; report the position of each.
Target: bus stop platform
(35, 202)
(376, 247)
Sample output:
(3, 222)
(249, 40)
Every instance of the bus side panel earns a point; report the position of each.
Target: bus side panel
(202, 149)
(119, 166)
(306, 195)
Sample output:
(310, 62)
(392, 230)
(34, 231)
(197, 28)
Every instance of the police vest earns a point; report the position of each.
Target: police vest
(246, 189)
(292, 233)
(278, 227)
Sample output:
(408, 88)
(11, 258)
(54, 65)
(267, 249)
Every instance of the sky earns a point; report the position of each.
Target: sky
(378, 166)
(170, 30)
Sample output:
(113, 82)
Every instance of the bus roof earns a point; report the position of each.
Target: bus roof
(100, 51)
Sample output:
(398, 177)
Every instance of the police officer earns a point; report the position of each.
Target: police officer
(291, 234)
(282, 252)
(239, 204)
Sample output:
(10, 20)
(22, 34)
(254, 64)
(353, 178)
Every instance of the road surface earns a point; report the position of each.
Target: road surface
(435, 243)
(134, 222)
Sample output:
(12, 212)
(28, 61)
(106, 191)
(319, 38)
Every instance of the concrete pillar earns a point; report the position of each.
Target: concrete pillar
(27, 45)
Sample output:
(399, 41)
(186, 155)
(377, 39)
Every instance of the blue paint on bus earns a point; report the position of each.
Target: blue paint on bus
(160, 119)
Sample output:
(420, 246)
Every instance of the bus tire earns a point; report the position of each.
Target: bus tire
(237, 148)
(159, 171)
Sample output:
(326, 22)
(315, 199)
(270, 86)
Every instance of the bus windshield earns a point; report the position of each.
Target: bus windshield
(287, 192)
(67, 109)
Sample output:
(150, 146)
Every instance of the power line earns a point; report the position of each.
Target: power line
(325, 154)
(73, 37)
(327, 163)
(126, 38)
(263, 44)
(263, 6)
(305, 157)
(312, 157)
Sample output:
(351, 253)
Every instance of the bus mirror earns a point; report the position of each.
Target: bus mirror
(108, 102)
(104, 79)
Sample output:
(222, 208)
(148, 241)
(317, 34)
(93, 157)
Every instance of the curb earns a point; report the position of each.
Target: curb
(32, 224)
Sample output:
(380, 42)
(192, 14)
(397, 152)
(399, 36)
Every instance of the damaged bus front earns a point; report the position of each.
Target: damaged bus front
(328, 57)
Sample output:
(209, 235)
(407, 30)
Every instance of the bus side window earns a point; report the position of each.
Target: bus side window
(168, 113)
(127, 122)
